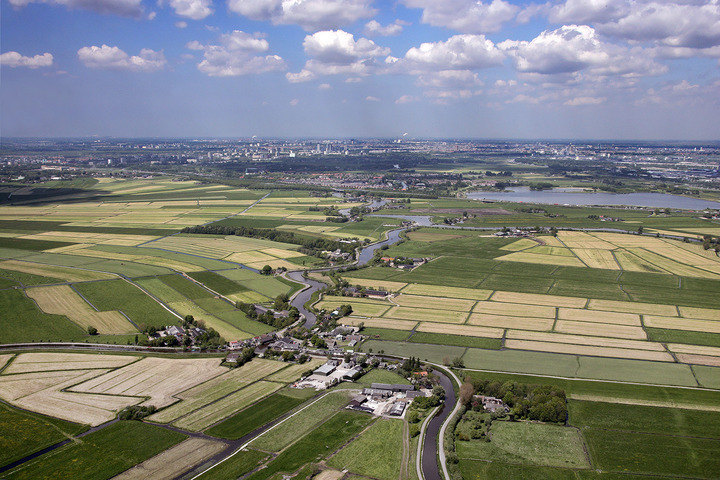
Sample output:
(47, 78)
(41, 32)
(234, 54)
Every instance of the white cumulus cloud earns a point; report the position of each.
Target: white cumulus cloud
(576, 48)
(115, 58)
(14, 60)
(375, 29)
(335, 52)
(309, 14)
(193, 9)
(580, 101)
(466, 16)
(237, 54)
(460, 52)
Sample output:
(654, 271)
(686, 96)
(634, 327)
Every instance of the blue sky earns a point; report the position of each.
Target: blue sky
(588, 69)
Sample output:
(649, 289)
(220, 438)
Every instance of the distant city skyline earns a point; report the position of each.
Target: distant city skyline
(488, 70)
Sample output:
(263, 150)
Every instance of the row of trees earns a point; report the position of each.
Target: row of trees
(310, 244)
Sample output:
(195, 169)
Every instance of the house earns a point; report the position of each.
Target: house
(381, 294)
(397, 409)
(492, 404)
(325, 370)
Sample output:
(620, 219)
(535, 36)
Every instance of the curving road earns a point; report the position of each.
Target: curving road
(430, 451)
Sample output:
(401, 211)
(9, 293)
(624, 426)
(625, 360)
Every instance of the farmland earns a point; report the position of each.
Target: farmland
(121, 446)
(619, 320)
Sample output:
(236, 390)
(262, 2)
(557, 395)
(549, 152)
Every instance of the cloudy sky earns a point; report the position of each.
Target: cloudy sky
(592, 69)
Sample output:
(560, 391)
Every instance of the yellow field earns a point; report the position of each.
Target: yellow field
(583, 315)
(381, 323)
(550, 240)
(426, 315)
(92, 238)
(694, 349)
(584, 340)
(515, 309)
(518, 245)
(671, 266)
(539, 299)
(675, 323)
(437, 303)
(42, 362)
(600, 329)
(453, 292)
(21, 385)
(160, 379)
(548, 250)
(213, 246)
(173, 462)
(527, 257)
(698, 359)
(700, 313)
(632, 307)
(50, 399)
(504, 321)
(62, 300)
(64, 273)
(633, 263)
(588, 350)
(595, 258)
(217, 387)
(281, 252)
(465, 330)
(250, 256)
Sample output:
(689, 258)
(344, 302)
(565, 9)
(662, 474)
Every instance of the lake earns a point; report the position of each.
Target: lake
(566, 197)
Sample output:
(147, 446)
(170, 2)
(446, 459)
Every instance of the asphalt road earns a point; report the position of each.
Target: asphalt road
(430, 465)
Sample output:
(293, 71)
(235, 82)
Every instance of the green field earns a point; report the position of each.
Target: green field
(317, 444)
(218, 283)
(254, 416)
(644, 419)
(101, 454)
(234, 467)
(624, 451)
(121, 295)
(23, 433)
(456, 340)
(20, 278)
(528, 443)
(377, 375)
(23, 321)
(433, 353)
(377, 453)
(302, 422)
(611, 392)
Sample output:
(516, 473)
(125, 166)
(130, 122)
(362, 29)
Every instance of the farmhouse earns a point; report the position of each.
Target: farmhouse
(492, 404)
(385, 399)
(380, 294)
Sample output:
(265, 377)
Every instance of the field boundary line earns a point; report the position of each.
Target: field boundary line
(245, 445)
(623, 382)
